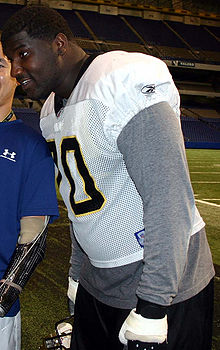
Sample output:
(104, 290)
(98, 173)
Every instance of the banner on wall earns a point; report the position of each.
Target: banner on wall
(108, 10)
(192, 20)
(152, 15)
(65, 5)
(178, 63)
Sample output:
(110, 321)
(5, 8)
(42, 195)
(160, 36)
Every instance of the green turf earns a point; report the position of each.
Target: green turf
(204, 166)
(44, 299)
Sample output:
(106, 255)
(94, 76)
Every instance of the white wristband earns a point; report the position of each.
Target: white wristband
(72, 289)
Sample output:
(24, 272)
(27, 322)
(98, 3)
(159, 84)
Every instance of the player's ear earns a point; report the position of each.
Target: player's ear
(61, 42)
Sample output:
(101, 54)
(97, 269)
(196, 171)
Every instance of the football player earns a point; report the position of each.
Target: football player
(142, 272)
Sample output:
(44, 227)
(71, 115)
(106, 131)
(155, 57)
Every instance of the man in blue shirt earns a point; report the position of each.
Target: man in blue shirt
(28, 202)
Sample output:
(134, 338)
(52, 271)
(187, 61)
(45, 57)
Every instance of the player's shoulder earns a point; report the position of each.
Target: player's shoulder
(119, 58)
(120, 67)
(116, 60)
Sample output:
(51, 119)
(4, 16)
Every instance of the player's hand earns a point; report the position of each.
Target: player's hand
(146, 330)
(71, 293)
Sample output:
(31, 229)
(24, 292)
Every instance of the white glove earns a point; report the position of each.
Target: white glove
(72, 289)
(147, 330)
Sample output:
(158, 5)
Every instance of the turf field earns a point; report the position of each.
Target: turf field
(43, 302)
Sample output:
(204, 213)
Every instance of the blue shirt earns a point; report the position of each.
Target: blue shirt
(27, 185)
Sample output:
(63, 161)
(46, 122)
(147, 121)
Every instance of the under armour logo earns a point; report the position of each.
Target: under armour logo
(8, 155)
(148, 89)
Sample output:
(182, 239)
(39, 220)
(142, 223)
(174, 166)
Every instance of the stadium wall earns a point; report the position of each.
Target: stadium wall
(202, 145)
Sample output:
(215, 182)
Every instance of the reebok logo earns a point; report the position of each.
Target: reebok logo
(8, 155)
(148, 89)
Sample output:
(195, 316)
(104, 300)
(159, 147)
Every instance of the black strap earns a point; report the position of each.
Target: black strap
(8, 117)
(84, 67)
(59, 100)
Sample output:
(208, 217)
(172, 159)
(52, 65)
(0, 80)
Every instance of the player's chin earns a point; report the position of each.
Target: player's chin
(36, 94)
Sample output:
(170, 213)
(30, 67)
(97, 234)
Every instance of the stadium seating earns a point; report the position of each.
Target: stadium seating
(108, 27)
(76, 25)
(196, 36)
(166, 39)
(202, 133)
(162, 38)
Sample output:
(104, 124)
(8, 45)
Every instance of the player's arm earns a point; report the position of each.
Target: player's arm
(27, 255)
(153, 151)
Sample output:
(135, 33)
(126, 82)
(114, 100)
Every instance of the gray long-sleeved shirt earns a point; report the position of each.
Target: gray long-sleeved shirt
(176, 264)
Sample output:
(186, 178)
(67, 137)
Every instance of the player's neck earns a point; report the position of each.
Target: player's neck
(64, 90)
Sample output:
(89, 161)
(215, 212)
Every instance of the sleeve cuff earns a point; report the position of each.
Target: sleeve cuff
(150, 310)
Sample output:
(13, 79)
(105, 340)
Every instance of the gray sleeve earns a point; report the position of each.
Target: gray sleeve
(77, 257)
(153, 150)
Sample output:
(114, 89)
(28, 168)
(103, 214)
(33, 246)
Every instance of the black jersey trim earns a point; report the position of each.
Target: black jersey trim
(58, 101)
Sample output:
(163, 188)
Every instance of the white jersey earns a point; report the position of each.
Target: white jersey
(103, 203)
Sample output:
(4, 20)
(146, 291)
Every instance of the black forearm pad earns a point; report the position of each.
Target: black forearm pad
(25, 259)
(150, 310)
